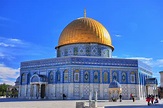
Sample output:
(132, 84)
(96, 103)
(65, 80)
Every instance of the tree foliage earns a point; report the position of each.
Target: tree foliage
(3, 89)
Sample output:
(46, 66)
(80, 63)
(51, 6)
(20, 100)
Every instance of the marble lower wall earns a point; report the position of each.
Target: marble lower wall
(80, 91)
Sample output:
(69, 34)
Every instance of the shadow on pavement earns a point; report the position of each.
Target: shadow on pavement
(13, 100)
(27, 100)
(137, 106)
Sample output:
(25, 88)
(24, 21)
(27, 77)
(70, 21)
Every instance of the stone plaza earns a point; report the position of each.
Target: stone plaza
(24, 103)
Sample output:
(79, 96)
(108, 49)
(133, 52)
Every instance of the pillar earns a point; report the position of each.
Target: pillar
(90, 99)
(30, 91)
(39, 91)
(19, 95)
(96, 99)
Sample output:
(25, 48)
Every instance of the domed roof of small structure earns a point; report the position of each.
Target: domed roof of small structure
(17, 80)
(114, 84)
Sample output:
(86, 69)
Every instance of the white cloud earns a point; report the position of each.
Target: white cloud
(150, 61)
(161, 41)
(9, 47)
(118, 35)
(6, 45)
(8, 75)
(10, 42)
(16, 41)
(159, 62)
(143, 59)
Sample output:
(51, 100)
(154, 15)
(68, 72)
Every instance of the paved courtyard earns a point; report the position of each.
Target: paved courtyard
(17, 103)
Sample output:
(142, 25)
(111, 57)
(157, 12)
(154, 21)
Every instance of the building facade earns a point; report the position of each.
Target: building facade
(161, 78)
(83, 64)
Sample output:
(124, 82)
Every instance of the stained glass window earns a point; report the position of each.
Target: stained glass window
(108, 53)
(58, 53)
(115, 76)
(66, 75)
(51, 76)
(76, 75)
(95, 76)
(86, 76)
(123, 77)
(105, 77)
(132, 77)
(58, 76)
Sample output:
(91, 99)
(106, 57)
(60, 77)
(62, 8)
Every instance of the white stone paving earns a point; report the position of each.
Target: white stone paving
(17, 103)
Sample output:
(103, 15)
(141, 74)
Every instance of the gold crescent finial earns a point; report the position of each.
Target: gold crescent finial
(84, 13)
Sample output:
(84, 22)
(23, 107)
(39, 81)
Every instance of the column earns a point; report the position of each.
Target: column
(19, 94)
(45, 93)
(34, 91)
(30, 94)
(39, 96)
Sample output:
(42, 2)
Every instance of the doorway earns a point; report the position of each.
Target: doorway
(42, 90)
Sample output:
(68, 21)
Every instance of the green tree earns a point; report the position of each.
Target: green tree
(3, 89)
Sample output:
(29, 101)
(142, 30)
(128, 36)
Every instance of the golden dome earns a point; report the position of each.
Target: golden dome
(85, 30)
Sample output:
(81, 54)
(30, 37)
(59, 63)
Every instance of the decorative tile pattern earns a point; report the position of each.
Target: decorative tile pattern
(86, 74)
(86, 90)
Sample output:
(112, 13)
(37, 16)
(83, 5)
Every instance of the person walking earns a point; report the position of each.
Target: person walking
(131, 96)
(148, 100)
(152, 99)
(120, 97)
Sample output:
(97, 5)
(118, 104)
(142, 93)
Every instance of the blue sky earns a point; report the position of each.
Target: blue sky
(30, 29)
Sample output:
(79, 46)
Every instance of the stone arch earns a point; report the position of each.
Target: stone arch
(35, 78)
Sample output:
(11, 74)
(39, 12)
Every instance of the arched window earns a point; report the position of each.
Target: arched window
(96, 77)
(86, 76)
(108, 53)
(58, 76)
(65, 73)
(23, 78)
(76, 75)
(58, 53)
(123, 77)
(105, 77)
(115, 77)
(132, 77)
(51, 76)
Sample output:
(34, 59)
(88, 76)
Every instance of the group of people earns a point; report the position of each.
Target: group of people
(131, 97)
(151, 99)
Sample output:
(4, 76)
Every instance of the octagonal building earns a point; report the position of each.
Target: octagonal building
(83, 64)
